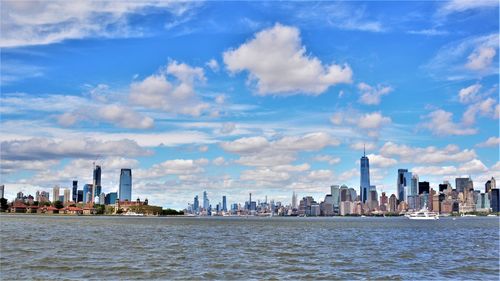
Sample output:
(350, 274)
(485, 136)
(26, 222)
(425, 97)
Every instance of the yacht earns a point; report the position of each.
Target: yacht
(423, 214)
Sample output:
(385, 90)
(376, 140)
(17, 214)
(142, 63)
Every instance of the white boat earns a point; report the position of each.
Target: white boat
(133, 214)
(423, 214)
(468, 215)
(491, 215)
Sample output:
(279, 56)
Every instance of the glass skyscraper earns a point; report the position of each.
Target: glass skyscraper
(125, 190)
(75, 191)
(365, 178)
(196, 204)
(404, 185)
(206, 203)
(97, 181)
(224, 204)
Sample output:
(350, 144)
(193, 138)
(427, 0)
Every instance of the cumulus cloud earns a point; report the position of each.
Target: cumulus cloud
(441, 123)
(44, 149)
(219, 161)
(13, 166)
(490, 142)
(245, 145)
(264, 175)
(483, 108)
(381, 161)
(178, 96)
(327, 158)
(173, 167)
(481, 58)
(370, 146)
(279, 65)
(25, 23)
(372, 95)
(469, 94)
(213, 65)
(320, 175)
(427, 155)
(469, 58)
(371, 122)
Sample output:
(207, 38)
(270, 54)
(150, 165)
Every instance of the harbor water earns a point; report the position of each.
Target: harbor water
(238, 248)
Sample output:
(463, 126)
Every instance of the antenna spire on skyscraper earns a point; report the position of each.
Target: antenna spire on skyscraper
(364, 149)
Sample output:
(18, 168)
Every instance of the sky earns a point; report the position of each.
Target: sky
(239, 97)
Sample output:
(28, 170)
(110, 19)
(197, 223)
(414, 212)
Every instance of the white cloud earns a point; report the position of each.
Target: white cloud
(264, 175)
(481, 58)
(484, 108)
(213, 65)
(173, 167)
(427, 155)
(157, 92)
(13, 166)
(219, 161)
(441, 123)
(327, 158)
(266, 160)
(320, 175)
(371, 123)
(278, 63)
(429, 32)
(25, 23)
(44, 149)
(370, 146)
(457, 6)
(490, 142)
(469, 94)
(469, 58)
(372, 95)
(381, 161)
(245, 145)
(472, 167)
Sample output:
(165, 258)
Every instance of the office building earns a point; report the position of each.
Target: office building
(67, 195)
(55, 193)
(463, 184)
(125, 188)
(87, 193)
(224, 204)
(423, 186)
(393, 204)
(335, 192)
(364, 177)
(489, 185)
(79, 196)
(196, 204)
(353, 193)
(2, 191)
(495, 200)
(402, 184)
(206, 202)
(75, 191)
(294, 200)
(96, 182)
(345, 195)
(110, 198)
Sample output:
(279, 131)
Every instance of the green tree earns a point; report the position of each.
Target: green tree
(58, 204)
(36, 203)
(171, 212)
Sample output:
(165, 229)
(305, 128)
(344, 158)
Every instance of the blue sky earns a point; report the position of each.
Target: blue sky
(239, 97)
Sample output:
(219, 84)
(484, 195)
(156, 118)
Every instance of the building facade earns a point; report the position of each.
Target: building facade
(125, 189)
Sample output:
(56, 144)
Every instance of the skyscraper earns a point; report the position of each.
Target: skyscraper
(196, 204)
(365, 177)
(294, 200)
(489, 185)
(495, 200)
(55, 193)
(224, 204)
(2, 191)
(67, 195)
(125, 190)
(404, 185)
(87, 189)
(335, 192)
(206, 203)
(96, 191)
(75, 191)
(463, 184)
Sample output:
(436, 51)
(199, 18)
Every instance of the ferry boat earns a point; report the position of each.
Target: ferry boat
(423, 214)
(130, 213)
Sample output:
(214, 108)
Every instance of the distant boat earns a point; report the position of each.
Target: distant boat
(423, 214)
(491, 215)
(133, 214)
(363, 216)
(468, 215)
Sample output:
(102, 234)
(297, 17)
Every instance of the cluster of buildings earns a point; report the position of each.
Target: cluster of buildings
(77, 201)
(411, 195)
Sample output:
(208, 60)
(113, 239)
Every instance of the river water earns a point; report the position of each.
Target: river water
(165, 248)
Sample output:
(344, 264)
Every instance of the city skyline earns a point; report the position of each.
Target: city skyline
(240, 98)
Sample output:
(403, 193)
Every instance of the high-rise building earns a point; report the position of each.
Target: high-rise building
(96, 182)
(2, 191)
(393, 203)
(489, 185)
(364, 177)
(67, 195)
(75, 191)
(125, 189)
(345, 195)
(224, 204)
(294, 200)
(335, 192)
(87, 189)
(404, 184)
(463, 184)
(110, 198)
(495, 200)
(206, 202)
(196, 204)
(79, 196)
(424, 186)
(353, 193)
(55, 193)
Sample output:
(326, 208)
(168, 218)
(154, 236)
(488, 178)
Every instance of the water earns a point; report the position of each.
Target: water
(125, 248)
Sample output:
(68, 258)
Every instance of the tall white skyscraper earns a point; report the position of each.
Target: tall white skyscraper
(55, 193)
